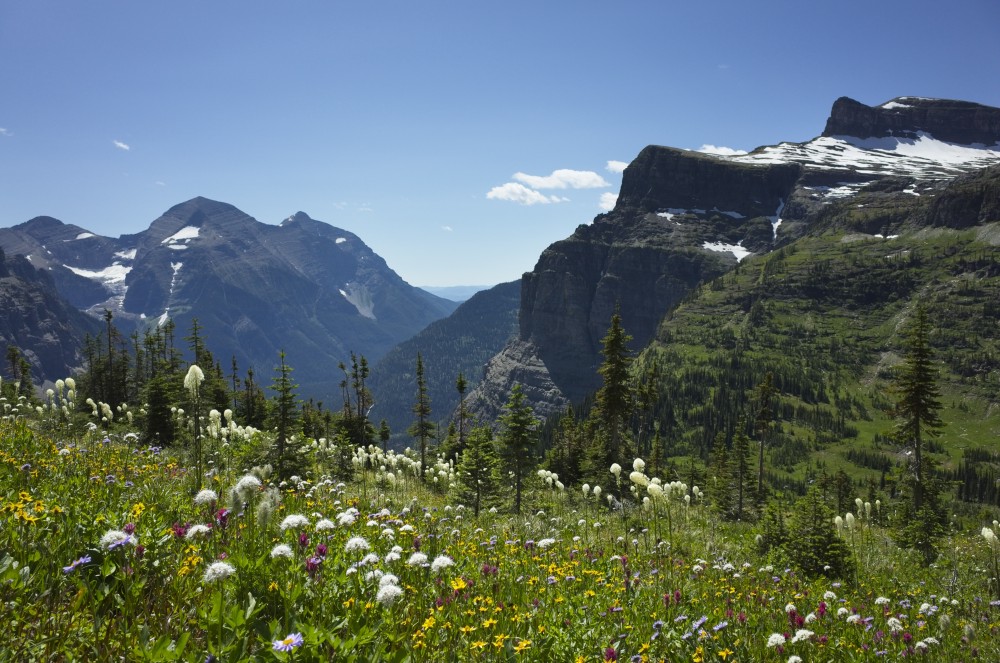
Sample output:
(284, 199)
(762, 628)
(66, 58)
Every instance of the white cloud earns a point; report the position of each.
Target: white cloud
(120, 145)
(518, 193)
(608, 201)
(5, 132)
(446, 228)
(160, 183)
(616, 166)
(564, 178)
(721, 151)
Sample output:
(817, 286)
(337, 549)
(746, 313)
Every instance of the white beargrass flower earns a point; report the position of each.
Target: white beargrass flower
(441, 562)
(206, 496)
(616, 469)
(281, 550)
(802, 634)
(294, 521)
(387, 594)
(356, 544)
(197, 531)
(639, 465)
(192, 381)
(881, 600)
(218, 571)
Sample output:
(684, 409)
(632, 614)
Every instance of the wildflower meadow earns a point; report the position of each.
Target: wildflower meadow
(112, 550)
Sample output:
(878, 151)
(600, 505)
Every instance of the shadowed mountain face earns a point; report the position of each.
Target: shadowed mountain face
(315, 291)
(47, 329)
(684, 218)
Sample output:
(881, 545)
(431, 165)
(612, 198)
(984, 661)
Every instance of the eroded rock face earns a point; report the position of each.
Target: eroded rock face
(48, 330)
(960, 122)
(642, 258)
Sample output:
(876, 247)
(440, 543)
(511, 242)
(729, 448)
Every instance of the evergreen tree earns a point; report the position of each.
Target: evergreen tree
(813, 544)
(384, 434)
(565, 455)
(477, 470)
(918, 404)
(740, 459)
(613, 403)
(924, 515)
(518, 436)
(285, 457)
(721, 477)
(765, 397)
(423, 427)
(463, 412)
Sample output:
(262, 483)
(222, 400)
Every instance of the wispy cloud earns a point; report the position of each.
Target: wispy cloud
(608, 201)
(518, 193)
(446, 228)
(120, 145)
(564, 178)
(616, 166)
(721, 151)
(5, 132)
(160, 183)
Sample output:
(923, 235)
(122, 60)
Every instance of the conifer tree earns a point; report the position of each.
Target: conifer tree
(286, 459)
(813, 543)
(518, 436)
(740, 459)
(477, 470)
(721, 478)
(613, 402)
(924, 515)
(384, 434)
(765, 397)
(919, 401)
(423, 427)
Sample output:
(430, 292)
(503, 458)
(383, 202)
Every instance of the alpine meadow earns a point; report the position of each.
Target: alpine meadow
(748, 413)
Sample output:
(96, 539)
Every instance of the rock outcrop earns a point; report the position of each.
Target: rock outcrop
(48, 330)
(961, 122)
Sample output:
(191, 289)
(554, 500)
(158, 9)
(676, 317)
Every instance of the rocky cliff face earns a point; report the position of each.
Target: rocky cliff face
(684, 218)
(315, 291)
(951, 121)
(48, 330)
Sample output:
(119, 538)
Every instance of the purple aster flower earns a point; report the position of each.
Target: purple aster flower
(290, 642)
(76, 564)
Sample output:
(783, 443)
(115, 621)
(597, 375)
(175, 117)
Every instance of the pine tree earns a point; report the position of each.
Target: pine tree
(477, 470)
(765, 397)
(721, 477)
(740, 459)
(423, 427)
(613, 402)
(518, 437)
(917, 408)
(384, 434)
(286, 459)
(565, 455)
(813, 544)
(924, 516)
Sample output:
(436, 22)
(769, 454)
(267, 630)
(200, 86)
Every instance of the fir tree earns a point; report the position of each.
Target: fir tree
(518, 436)
(285, 457)
(613, 402)
(813, 543)
(477, 470)
(765, 397)
(423, 427)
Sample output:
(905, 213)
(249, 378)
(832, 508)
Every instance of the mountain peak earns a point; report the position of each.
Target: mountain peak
(948, 120)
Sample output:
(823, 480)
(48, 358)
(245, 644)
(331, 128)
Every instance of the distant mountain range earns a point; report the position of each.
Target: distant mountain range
(314, 290)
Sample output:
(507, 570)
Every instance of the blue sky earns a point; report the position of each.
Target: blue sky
(396, 120)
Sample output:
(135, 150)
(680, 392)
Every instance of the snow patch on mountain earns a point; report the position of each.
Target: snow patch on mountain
(126, 255)
(176, 267)
(360, 298)
(921, 157)
(185, 234)
(736, 249)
